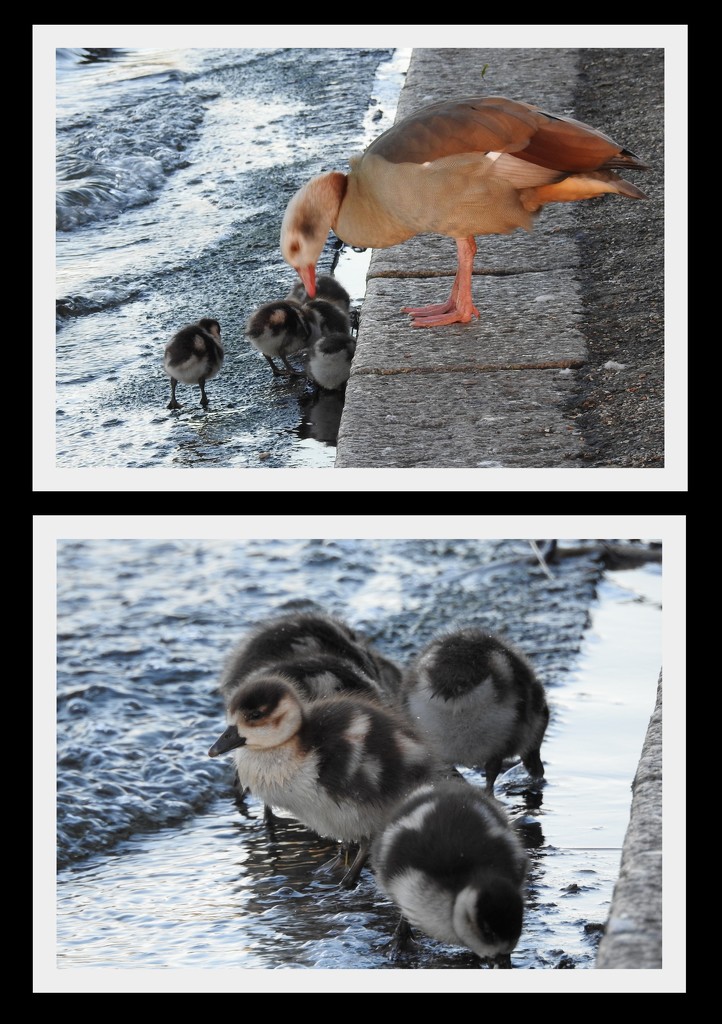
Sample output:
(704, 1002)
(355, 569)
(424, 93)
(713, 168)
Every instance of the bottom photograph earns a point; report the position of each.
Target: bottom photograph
(341, 754)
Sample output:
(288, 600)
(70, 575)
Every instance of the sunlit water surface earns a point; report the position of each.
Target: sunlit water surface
(174, 168)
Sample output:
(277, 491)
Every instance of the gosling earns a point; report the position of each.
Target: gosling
(338, 764)
(478, 701)
(194, 355)
(452, 864)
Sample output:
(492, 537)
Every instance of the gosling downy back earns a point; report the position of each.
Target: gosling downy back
(454, 867)
(327, 287)
(194, 355)
(278, 330)
(295, 635)
(477, 700)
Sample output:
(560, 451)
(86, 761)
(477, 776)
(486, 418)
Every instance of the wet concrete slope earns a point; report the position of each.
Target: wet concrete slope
(633, 932)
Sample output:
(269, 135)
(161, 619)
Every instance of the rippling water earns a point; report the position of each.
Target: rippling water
(158, 866)
(174, 167)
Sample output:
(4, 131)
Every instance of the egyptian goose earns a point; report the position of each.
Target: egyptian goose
(337, 764)
(451, 862)
(477, 700)
(328, 360)
(277, 330)
(194, 355)
(466, 167)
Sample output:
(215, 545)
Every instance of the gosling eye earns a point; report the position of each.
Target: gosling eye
(253, 716)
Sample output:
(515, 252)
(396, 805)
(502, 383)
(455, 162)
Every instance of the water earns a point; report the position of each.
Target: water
(158, 866)
(174, 167)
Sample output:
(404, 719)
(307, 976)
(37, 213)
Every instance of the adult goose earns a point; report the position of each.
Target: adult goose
(463, 167)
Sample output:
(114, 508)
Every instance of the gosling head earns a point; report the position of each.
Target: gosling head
(264, 712)
(488, 916)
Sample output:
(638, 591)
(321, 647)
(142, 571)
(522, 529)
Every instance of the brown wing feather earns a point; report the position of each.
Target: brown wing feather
(569, 145)
(463, 126)
(496, 124)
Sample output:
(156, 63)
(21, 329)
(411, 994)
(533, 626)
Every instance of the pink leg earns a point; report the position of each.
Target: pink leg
(459, 307)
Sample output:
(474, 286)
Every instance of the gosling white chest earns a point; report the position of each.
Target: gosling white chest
(329, 359)
(281, 777)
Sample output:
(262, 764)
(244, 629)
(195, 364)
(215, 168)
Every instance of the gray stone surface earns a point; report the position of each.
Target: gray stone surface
(535, 329)
(534, 313)
(542, 76)
(633, 933)
(501, 418)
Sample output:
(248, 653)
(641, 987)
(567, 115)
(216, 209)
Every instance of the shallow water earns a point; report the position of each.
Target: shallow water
(174, 168)
(158, 867)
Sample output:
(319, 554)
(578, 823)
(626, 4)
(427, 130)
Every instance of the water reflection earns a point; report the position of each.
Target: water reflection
(321, 415)
(283, 847)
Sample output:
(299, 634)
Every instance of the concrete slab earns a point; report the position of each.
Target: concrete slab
(544, 77)
(488, 393)
(459, 419)
(527, 321)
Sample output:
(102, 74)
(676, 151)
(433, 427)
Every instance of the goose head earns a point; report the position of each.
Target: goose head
(309, 217)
